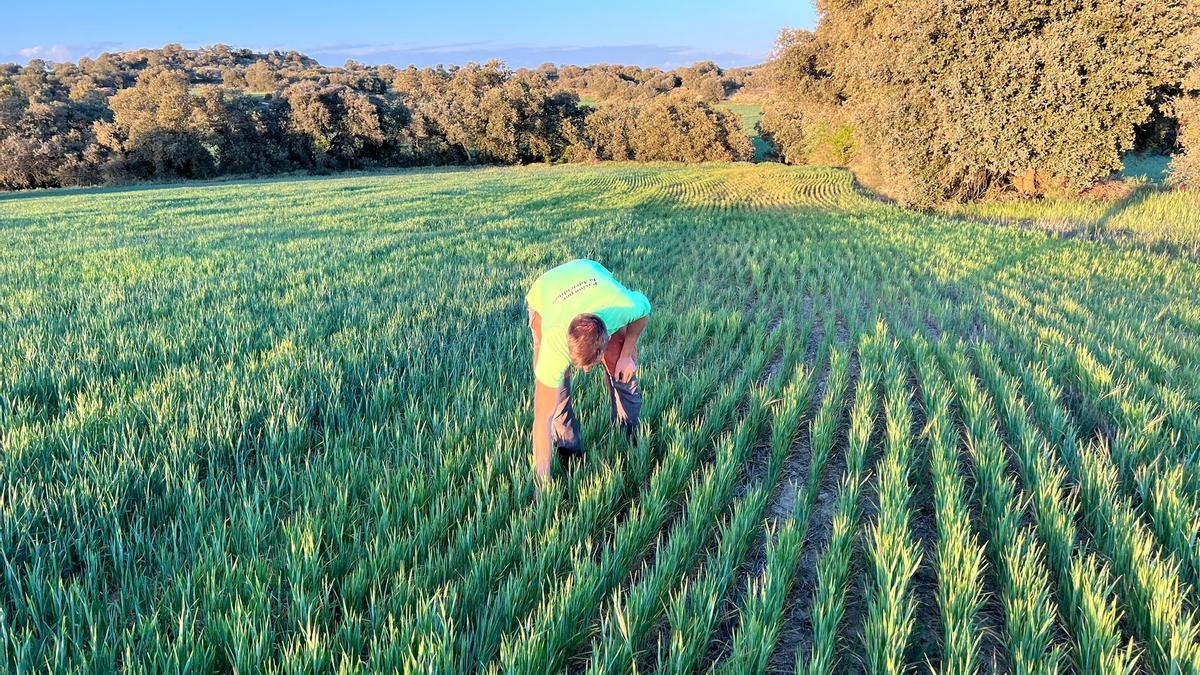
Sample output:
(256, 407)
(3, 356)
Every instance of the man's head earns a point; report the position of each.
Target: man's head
(586, 340)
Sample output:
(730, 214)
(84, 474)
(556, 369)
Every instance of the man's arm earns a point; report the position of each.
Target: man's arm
(543, 409)
(535, 327)
(632, 331)
(627, 361)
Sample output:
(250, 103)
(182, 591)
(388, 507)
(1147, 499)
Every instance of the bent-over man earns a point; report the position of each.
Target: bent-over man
(580, 315)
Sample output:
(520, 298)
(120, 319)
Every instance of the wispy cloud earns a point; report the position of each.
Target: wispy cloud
(47, 52)
(515, 55)
(519, 56)
(60, 52)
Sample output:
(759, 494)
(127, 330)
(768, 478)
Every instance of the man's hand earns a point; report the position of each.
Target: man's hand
(626, 369)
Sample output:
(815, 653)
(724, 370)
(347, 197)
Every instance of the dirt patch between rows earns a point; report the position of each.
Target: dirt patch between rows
(926, 634)
(796, 635)
(793, 475)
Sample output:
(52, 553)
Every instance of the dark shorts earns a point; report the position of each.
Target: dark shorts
(625, 399)
(626, 405)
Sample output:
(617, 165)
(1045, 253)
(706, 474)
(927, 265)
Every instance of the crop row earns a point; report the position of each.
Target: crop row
(283, 426)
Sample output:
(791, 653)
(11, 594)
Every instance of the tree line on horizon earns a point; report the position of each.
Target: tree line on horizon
(925, 101)
(702, 81)
(929, 101)
(175, 113)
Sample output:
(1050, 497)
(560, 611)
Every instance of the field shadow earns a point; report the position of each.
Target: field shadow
(233, 181)
(1100, 230)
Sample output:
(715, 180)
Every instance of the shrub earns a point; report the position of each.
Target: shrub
(674, 130)
(1185, 167)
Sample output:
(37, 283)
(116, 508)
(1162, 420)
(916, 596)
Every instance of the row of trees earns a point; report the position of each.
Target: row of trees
(703, 81)
(665, 129)
(171, 113)
(932, 101)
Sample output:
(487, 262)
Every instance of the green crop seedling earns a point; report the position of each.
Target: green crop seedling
(282, 426)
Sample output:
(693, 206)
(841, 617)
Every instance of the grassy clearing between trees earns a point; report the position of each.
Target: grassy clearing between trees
(282, 425)
(750, 114)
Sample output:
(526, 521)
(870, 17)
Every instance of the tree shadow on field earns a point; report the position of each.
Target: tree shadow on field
(235, 181)
(1099, 230)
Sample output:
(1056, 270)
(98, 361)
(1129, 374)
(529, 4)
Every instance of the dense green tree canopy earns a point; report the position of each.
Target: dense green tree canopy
(173, 112)
(948, 100)
(666, 129)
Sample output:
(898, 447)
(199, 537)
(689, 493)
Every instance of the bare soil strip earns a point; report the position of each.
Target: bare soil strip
(796, 634)
(926, 647)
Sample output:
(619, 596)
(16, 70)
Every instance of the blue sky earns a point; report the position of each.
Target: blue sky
(648, 33)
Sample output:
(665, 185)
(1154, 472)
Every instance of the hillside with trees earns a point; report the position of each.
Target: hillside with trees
(702, 81)
(176, 113)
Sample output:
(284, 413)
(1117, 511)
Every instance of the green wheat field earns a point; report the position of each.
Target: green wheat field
(282, 426)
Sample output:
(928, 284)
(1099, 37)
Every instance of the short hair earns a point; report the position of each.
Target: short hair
(586, 340)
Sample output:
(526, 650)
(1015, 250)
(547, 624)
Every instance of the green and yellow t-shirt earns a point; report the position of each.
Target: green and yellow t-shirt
(565, 292)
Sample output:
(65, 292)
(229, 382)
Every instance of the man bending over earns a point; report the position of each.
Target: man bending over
(581, 316)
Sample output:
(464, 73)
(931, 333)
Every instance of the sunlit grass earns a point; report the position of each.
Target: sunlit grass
(750, 114)
(1149, 215)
